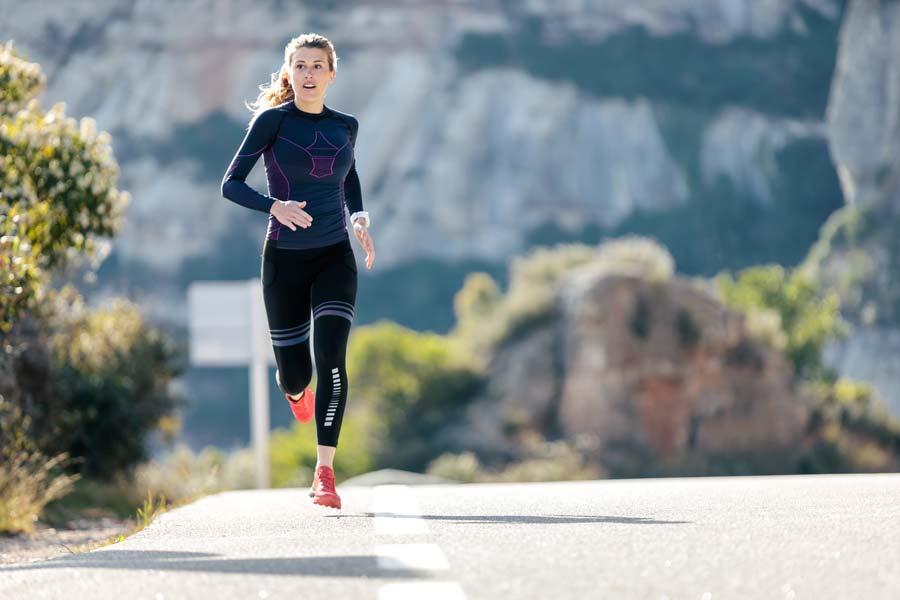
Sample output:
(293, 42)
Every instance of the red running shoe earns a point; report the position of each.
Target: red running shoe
(324, 493)
(305, 407)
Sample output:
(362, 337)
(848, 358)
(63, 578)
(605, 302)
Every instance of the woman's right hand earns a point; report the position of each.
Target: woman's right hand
(290, 212)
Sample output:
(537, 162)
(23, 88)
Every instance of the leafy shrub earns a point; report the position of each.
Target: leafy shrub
(293, 451)
(410, 385)
(110, 373)
(808, 316)
(543, 460)
(57, 187)
(487, 319)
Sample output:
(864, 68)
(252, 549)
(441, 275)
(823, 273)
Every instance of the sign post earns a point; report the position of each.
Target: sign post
(228, 328)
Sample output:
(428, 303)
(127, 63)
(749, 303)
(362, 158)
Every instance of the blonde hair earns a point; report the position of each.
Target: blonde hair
(279, 90)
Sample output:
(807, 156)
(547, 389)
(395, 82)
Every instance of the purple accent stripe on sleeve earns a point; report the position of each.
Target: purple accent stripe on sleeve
(252, 153)
(277, 166)
(276, 230)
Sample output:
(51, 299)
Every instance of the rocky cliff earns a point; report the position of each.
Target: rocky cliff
(858, 253)
(487, 127)
(657, 371)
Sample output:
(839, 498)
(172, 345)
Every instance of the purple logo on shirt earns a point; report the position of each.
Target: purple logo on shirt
(322, 152)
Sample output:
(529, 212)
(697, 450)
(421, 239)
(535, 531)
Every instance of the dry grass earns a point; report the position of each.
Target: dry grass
(28, 478)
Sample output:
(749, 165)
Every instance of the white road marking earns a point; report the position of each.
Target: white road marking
(397, 511)
(423, 557)
(433, 590)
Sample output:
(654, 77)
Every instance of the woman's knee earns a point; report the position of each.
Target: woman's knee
(294, 378)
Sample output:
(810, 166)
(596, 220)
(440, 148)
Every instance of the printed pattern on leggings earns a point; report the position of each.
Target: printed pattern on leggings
(300, 287)
(290, 336)
(335, 396)
(334, 307)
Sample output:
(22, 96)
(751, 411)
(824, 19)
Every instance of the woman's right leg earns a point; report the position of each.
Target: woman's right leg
(286, 294)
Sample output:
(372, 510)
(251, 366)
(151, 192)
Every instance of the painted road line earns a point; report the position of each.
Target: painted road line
(433, 590)
(421, 557)
(397, 511)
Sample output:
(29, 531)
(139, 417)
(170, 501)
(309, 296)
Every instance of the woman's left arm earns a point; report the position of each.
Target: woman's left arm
(353, 200)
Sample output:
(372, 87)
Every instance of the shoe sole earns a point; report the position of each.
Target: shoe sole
(325, 502)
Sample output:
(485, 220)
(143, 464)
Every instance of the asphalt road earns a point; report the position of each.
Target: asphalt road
(784, 537)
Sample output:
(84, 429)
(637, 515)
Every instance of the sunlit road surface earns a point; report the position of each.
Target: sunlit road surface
(828, 536)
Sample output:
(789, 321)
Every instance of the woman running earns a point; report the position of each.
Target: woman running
(308, 264)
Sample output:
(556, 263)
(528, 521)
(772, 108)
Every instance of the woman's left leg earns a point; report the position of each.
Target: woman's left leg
(333, 298)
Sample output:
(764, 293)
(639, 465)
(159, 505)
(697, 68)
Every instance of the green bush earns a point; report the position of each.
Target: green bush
(109, 377)
(542, 460)
(292, 452)
(57, 187)
(487, 319)
(808, 316)
(410, 386)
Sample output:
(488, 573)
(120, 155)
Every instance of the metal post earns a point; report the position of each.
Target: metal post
(259, 384)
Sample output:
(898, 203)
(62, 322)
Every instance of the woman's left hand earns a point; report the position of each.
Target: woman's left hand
(365, 240)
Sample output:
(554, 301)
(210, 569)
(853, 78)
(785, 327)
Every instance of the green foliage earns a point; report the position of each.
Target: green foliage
(29, 480)
(857, 246)
(57, 187)
(542, 460)
(807, 316)
(110, 374)
(182, 475)
(412, 385)
(487, 319)
(851, 428)
(20, 80)
(152, 507)
(93, 498)
(464, 467)
(417, 294)
(292, 452)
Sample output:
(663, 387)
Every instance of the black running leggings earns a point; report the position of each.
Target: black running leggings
(319, 283)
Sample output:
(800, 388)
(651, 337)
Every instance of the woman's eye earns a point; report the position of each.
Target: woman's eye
(318, 66)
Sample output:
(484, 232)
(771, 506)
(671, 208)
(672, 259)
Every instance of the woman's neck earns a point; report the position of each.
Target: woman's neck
(312, 108)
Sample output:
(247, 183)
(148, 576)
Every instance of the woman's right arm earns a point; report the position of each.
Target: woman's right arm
(260, 135)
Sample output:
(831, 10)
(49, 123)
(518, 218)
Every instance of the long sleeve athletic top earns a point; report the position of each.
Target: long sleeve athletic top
(307, 157)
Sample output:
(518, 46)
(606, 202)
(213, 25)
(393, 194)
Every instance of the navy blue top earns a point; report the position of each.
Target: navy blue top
(307, 157)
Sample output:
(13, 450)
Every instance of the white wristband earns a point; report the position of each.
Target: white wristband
(362, 216)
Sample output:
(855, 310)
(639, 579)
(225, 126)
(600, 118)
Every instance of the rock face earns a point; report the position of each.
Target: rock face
(656, 373)
(447, 152)
(861, 259)
(864, 106)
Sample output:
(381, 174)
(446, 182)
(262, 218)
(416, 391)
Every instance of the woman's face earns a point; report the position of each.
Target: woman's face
(310, 75)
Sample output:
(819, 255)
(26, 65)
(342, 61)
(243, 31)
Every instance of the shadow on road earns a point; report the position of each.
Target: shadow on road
(532, 519)
(331, 566)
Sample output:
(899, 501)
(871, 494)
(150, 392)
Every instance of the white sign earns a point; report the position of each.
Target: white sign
(228, 328)
(220, 322)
